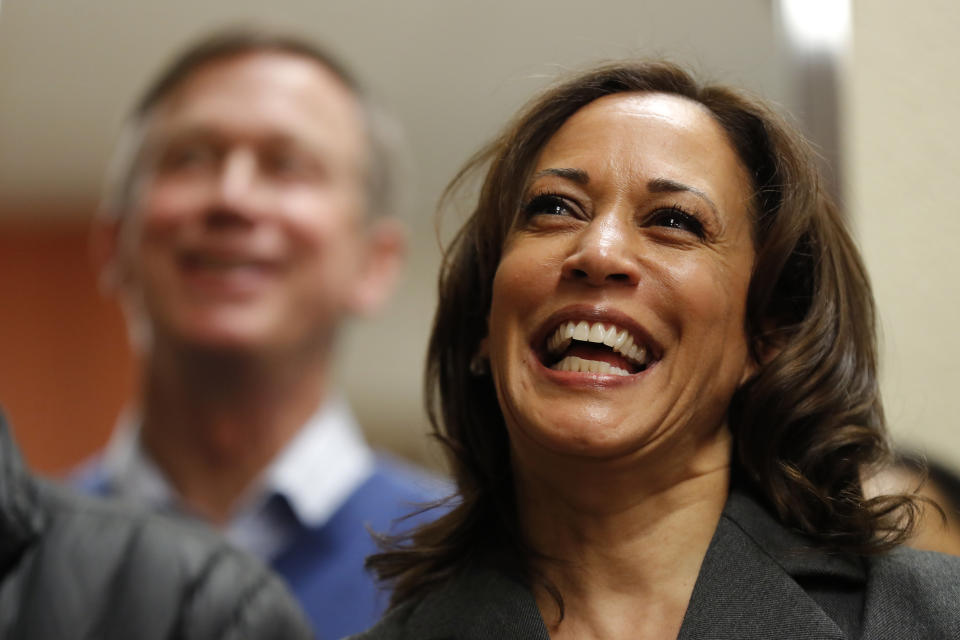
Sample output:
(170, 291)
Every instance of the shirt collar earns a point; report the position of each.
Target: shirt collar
(316, 472)
(323, 464)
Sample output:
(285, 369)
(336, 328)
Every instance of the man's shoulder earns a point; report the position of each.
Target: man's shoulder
(90, 476)
(157, 571)
(403, 480)
(395, 496)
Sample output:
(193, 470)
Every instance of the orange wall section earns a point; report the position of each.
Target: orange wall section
(65, 367)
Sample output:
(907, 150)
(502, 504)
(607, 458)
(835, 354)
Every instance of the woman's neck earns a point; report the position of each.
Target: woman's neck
(624, 545)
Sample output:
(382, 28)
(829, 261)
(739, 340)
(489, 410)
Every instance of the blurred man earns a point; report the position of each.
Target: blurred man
(77, 568)
(245, 223)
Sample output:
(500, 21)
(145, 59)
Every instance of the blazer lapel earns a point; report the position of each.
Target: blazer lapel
(746, 588)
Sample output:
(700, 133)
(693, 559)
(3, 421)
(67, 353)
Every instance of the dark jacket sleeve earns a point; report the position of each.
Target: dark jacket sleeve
(103, 571)
(259, 607)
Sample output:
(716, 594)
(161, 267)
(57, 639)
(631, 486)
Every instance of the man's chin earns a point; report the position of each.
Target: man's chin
(224, 338)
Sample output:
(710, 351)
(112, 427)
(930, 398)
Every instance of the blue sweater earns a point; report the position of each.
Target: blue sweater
(324, 567)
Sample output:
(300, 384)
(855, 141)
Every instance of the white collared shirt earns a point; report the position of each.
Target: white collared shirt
(315, 473)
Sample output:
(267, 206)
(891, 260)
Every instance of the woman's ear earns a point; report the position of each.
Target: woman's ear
(765, 346)
(480, 362)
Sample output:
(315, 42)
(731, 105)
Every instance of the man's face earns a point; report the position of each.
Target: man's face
(247, 228)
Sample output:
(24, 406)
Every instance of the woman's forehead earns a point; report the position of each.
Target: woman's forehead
(648, 136)
(670, 107)
(651, 111)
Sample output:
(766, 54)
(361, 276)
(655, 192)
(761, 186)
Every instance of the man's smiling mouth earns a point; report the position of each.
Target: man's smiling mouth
(224, 263)
(597, 347)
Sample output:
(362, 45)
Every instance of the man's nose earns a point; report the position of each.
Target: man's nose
(604, 253)
(237, 181)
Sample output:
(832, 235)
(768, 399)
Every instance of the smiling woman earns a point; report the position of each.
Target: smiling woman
(654, 368)
(664, 266)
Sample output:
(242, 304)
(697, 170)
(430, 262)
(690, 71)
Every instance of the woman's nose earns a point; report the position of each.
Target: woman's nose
(603, 255)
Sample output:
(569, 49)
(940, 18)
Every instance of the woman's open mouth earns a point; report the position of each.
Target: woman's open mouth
(595, 347)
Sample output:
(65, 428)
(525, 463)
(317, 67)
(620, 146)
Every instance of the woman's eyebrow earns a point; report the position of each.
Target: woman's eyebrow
(657, 185)
(576, 175)
(666, 185)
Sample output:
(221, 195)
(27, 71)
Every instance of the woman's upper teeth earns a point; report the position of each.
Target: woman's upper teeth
(608, 334)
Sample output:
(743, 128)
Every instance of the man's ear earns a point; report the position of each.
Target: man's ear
(106, 254)
(386, 250)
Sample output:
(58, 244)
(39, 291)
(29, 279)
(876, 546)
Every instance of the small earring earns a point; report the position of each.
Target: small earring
(479, 365)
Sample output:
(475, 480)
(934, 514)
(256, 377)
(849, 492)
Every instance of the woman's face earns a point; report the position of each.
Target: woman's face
(617, 320)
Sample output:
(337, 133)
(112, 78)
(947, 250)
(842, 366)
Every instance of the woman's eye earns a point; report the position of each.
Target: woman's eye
(548, 205)
(677, 219)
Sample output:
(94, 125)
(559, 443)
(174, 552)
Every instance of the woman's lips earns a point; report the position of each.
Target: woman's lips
(595, 347)
(592, 341)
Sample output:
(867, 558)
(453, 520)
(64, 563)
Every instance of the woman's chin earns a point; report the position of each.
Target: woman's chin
(591, 415)
(580, 435)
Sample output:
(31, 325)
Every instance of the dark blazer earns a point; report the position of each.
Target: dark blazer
(759, 580)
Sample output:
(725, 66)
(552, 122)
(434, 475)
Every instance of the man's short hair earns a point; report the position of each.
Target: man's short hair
(381, 132)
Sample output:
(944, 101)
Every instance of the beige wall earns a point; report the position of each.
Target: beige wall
(903, 134)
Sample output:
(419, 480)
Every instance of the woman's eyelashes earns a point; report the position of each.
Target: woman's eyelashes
(549, 204)
(672, 217)
(675, 217)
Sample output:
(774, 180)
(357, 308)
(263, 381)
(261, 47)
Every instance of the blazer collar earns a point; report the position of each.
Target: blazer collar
(20, 516)
(747, 587)
(790, 549)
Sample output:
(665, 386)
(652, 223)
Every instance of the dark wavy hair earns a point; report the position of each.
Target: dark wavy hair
(805, 426)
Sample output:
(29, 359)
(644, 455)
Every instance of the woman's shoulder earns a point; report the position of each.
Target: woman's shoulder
(906, 567)
(479, 603)
(391, 626)
(913, 592)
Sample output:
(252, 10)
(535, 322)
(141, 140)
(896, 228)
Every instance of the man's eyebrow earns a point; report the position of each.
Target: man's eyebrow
(210, 133)
(577, 175)
(178, 132)
(666, 185)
